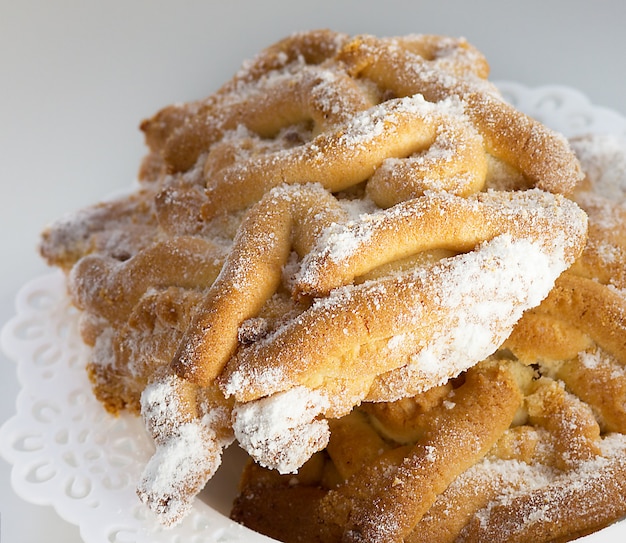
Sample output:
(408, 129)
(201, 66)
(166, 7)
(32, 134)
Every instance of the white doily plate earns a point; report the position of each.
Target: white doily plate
(67, 452)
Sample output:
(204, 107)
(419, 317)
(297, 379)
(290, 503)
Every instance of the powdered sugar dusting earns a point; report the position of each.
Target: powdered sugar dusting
(602, 361)
(370, 124)
(180, 467)
(485, 295)
(188, 451)
(341, 241)
(282, 431)
(542, 498)
(269, 378)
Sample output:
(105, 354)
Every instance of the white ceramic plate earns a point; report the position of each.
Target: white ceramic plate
(67, 452)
